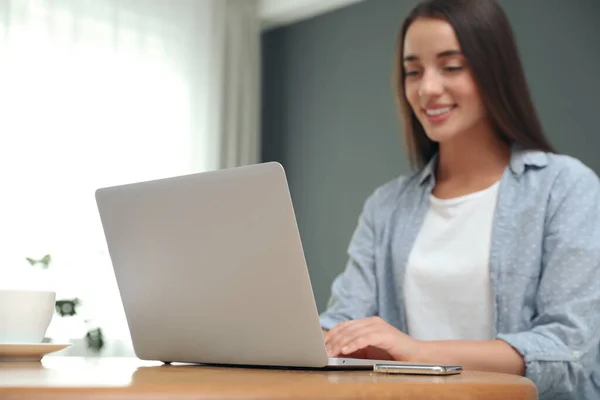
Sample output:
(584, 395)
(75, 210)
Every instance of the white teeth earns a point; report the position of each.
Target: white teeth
(439, 111)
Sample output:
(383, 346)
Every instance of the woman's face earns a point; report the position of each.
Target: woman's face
(439, 85)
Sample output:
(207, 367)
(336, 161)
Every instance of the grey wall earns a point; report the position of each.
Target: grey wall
(329, 115)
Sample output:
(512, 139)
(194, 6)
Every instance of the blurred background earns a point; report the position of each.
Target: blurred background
(102, 92)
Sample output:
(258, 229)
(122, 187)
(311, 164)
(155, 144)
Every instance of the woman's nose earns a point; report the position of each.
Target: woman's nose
(431, 84)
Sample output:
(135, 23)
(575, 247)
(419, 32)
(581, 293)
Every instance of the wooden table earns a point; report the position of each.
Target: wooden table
(123, 378)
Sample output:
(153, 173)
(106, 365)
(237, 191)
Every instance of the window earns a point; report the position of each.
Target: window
(92, 94)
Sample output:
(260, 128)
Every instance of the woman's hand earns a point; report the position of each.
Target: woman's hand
(371, 338)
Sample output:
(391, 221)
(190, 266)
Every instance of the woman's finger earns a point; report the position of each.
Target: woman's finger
(334, 332)
(368, 336)
(333, 342)
(348, 331)
(338, 332)
(355, 337)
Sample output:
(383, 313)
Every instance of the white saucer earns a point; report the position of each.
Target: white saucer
(28, 351)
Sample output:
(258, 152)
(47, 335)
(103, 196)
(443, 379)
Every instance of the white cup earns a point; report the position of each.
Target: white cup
(25, 315)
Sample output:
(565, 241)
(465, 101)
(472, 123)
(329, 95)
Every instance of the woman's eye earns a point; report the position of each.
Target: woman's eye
(453, 68)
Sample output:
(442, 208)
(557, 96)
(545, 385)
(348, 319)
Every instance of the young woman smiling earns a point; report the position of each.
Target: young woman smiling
(488, 256)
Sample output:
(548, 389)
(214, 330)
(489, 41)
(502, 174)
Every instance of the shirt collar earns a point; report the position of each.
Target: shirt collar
(429, 169)
(520, 158)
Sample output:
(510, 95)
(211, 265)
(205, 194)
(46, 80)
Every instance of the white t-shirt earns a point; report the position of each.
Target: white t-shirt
(447, 289)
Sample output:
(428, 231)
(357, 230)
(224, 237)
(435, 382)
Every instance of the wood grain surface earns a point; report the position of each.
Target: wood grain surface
(124, 378)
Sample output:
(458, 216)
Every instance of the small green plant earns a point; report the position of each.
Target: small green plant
(43, 262)
(68, 308)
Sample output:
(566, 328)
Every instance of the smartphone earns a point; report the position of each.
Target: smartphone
(417, 369)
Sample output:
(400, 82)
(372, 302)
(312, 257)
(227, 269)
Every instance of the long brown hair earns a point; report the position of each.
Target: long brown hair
(487, 42)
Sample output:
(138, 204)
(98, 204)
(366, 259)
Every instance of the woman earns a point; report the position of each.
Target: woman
(489, 255)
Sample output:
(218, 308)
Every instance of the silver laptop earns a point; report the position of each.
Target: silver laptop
(210, 269)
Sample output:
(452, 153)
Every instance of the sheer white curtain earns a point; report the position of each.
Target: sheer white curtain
(235, 88)
(103, 92)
